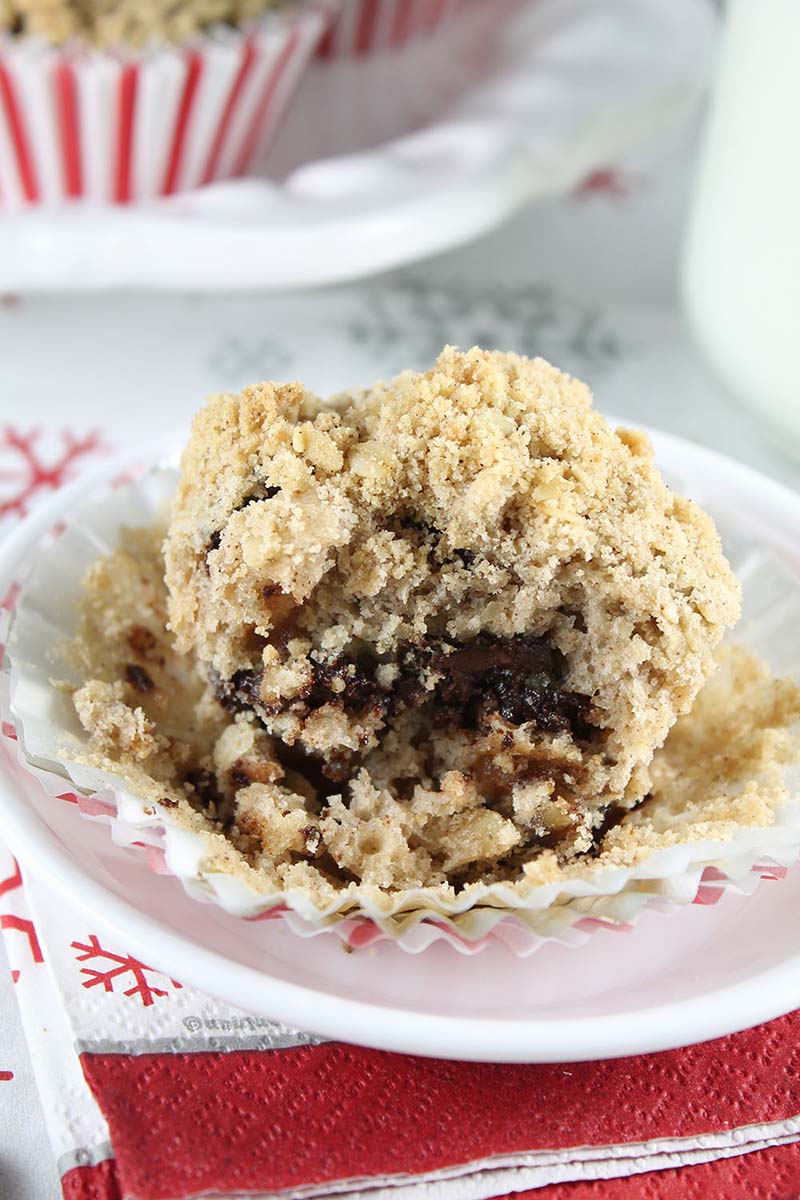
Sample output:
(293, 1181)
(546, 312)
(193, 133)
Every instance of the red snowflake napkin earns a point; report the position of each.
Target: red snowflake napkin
(155, 1091)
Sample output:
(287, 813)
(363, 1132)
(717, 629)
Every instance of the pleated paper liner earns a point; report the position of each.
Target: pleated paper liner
(362, 27)
(43, 720)
(114, 126)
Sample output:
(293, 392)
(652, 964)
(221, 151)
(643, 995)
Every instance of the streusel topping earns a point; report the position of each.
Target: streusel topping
(130, 22)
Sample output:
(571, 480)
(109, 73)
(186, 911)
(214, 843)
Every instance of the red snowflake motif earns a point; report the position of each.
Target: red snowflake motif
(7, 921)
(29, 473)
(20, 924)
(604, 181)
(5, 1076)
(124, 965)
(23, 925)
(13, 881)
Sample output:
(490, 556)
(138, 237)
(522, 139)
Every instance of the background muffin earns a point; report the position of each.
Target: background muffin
(125, 101)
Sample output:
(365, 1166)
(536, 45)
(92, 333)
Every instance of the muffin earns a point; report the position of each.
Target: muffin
(362, 27)
(441, 625)
(117, 101)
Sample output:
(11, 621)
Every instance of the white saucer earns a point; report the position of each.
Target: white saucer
(675, 979)
(582, 83)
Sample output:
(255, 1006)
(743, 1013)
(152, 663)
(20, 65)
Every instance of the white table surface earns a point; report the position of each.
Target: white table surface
(122, 363)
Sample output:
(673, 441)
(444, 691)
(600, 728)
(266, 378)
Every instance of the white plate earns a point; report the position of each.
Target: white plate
(580, 85)
(675, 979)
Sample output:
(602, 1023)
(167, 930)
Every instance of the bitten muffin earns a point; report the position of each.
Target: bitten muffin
(457, 612)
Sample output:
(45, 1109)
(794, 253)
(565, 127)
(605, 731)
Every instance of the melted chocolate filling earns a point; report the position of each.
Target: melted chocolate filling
(518, 677)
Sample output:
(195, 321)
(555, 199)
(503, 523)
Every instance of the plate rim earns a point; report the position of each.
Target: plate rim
(727, 1009)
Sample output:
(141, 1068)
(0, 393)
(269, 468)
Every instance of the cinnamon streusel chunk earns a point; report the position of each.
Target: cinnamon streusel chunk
(455, 613)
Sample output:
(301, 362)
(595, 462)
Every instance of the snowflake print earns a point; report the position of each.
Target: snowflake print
(13, 882)
(122, 966)
(605, 181)
(235, 362)
(411, 323)
(25, 469)
(21, 925)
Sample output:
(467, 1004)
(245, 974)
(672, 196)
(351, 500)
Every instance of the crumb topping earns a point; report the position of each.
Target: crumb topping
(130, 22)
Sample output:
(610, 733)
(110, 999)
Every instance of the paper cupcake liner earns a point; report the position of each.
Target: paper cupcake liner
(365, 26)
(41, 718)
(78, 123)
(387, 69)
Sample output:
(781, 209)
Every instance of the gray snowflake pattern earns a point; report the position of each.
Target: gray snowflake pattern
(236, 362)
(409, 324)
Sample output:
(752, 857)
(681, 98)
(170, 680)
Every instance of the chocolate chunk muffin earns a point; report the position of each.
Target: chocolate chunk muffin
(455, 615)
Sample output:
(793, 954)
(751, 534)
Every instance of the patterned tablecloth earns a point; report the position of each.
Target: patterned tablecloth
(587, 281)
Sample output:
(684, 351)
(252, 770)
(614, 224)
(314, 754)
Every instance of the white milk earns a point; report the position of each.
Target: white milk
(741, 278)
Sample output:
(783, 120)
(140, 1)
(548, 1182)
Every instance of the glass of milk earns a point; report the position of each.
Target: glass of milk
(741, 271)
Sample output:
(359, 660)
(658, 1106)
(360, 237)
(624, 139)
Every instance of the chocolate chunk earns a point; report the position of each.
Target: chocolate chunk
(517, 677)
(205, 796)
(214, 540)
(487, 652)
(424, 530)
(271, 589)
(239, 775)
(520, 698)
(312, 838)
(138, 678)
(467, 557)
(357, 688)
(240, 693)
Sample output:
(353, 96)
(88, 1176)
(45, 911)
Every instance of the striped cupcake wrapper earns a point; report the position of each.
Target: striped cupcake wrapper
(114, 127)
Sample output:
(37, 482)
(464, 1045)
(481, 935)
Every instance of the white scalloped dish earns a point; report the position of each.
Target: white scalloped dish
(576, 88)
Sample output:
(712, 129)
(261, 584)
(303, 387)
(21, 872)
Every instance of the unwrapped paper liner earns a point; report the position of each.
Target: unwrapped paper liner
(113, 126)
(41, 604)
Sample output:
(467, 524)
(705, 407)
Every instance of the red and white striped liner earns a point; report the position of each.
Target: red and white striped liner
(364, 26)
(103, 126)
